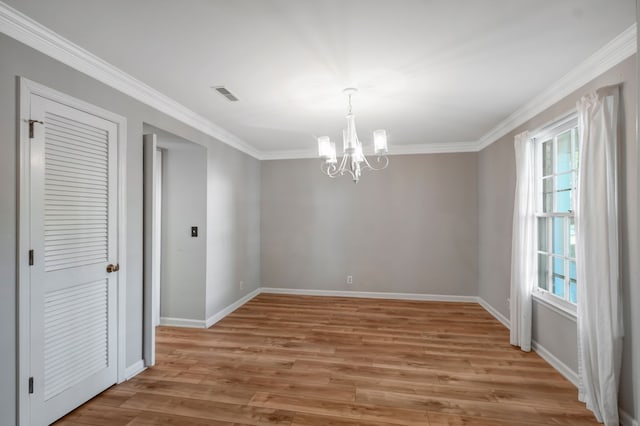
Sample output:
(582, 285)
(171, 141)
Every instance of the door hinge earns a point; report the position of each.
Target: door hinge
(30, 385)
(31, 257)
(31, 123)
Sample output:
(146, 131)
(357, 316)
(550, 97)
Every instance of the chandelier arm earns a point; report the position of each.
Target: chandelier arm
(383, 159)
(332, 170)
(328, 169)
(345, 166)
(345, 171)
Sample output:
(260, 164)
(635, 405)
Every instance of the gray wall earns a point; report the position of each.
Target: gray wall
(411, 228)
(496, 181)
(184, 204)
(19, 60)
(233, 226)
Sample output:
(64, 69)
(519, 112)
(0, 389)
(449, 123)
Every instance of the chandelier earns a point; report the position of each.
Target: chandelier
(353, 161)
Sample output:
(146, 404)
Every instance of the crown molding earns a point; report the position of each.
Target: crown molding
(289, 154)
(611, 54)
(425, 148)
(433, 148)
(19, 26)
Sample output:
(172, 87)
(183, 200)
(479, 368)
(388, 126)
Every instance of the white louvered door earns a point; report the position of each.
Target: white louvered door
(73, 235)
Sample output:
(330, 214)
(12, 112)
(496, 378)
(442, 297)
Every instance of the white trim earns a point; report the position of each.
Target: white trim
(433, 148)
(610, 55)
(19, 26)
(626, 419)
(289, 154)
(182, 322)
(232, 307)
(28, 88)
(24, 238)
(150, 246)
(370, 294)
(425, 148)
(493, 311)
(556, 304)
(33, 34)
(562, 368)
(551, 359)
(122, 246)
(191, 323)
(135, 369)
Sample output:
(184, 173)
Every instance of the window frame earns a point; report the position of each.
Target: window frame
(561, 305)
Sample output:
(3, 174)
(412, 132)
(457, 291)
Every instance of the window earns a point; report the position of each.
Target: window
(556, 180)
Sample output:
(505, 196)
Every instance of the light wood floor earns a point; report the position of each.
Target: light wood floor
(302, 360)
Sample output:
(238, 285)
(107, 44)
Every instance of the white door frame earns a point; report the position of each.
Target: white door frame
(28, 88)
(151, 247)
(157, 266)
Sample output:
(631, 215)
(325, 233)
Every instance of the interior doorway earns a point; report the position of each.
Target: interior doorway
(175, 208)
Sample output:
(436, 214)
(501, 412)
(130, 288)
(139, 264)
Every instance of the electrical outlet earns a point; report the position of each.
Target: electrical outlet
(349, 279)
(241, 285)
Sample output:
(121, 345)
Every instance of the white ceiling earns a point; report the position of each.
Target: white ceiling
(429, 72)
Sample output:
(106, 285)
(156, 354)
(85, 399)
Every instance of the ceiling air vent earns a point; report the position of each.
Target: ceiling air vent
(226, 93)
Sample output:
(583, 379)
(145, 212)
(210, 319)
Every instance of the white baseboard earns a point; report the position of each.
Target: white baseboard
(182, 322)
(191, 323)
(562, 368)
(371, 294)
(135, 369)
(627, 420)
(232, 307)
(493, 311)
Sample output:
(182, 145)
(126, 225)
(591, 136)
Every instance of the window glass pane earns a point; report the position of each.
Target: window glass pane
(547, 158)
(563, 182)
(558, 276)
(564, 152)
(563, 192)
(542, 234)
(558, 286)
(563, 201)
(573, 291)
(547, 195)
(558, 235)
(543, 271)
(572, 237)
(572, 270)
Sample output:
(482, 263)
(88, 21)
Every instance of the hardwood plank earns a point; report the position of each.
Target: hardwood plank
(209, 410)
(347, 410)
(305, 360)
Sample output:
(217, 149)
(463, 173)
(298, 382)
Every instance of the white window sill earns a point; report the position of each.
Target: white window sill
(562, 307)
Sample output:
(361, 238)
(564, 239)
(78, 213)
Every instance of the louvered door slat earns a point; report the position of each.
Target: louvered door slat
(74, 225)
(79, 165)
(66, 143)
(74, 131)
(70, 351)
(69, 180)
(64, 121)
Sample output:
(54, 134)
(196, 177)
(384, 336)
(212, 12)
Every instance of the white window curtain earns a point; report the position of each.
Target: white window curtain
(600, 327)
(523, 249)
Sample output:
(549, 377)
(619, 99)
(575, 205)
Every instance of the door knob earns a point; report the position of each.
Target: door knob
(113, 268)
